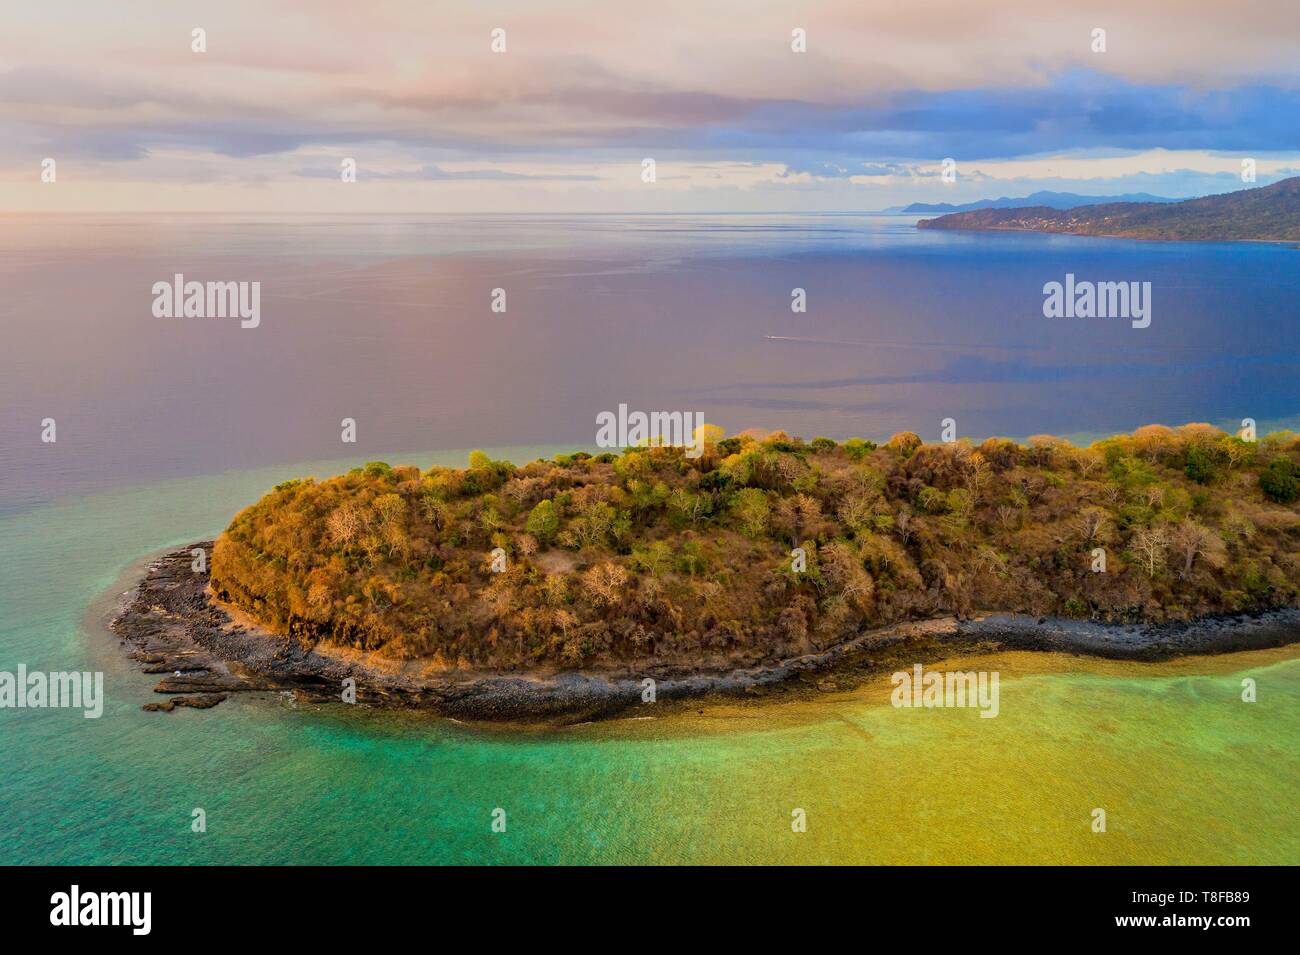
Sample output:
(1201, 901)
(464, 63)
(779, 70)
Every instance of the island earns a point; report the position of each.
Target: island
(1265, 214)
(570, 586)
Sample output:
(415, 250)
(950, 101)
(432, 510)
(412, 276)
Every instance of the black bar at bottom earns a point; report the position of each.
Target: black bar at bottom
(334, 905)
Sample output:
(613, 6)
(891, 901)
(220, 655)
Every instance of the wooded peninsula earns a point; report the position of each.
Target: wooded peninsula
(763, 547)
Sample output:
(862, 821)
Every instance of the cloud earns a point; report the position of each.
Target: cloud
(1078, 112)
(431, 173)
(884, 92)
(820, 169)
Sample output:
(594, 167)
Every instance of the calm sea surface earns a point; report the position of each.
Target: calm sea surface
(167, 427)
(388, 321)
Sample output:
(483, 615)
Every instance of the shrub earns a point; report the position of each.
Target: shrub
(932, 500)
(691, 559)
(1074, 607)
(858, 448)
(1280, 481)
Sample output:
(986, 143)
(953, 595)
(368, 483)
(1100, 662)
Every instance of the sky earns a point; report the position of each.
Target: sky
(563, 118)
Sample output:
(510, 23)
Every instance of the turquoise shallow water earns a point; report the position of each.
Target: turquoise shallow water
(1186, 772)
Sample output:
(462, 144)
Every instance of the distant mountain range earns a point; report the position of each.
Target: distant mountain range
(1265, 214)
(1053, 200)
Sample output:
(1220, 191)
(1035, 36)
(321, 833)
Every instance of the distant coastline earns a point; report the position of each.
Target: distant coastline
(1054, 200)
(1265, 214)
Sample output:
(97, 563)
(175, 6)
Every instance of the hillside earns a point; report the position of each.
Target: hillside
(1054, 200)
(1268, 213)
(650, 555)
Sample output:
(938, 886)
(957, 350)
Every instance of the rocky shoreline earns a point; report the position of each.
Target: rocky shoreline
(173, 626)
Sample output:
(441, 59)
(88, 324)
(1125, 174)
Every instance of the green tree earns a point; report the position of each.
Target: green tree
(544, 521)
(752, 509)
(904, 443)
(1202, 464)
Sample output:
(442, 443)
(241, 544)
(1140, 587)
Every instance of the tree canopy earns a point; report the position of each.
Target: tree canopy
(651, 555)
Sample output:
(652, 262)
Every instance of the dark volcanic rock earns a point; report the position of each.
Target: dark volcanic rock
(199, 701)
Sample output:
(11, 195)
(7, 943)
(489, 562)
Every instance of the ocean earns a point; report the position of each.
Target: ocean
(389, 322)
(167, 427)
